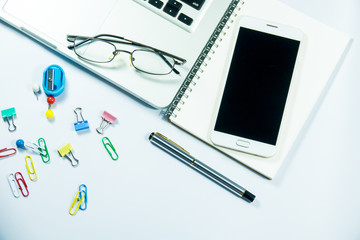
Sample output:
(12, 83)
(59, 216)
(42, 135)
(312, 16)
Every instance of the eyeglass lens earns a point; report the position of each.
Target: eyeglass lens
(145, 60)
(94, 50)
(149, 61)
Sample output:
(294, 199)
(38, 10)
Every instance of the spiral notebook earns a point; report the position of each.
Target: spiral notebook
(324, 49)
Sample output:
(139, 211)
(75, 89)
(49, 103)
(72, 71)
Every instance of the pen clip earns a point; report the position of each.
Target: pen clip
(169, 140)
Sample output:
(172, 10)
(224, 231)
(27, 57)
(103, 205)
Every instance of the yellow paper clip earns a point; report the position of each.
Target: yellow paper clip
(77, 199)
(65, 151)
(32, 172)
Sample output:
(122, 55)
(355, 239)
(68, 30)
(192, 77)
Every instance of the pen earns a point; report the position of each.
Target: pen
(180, 153)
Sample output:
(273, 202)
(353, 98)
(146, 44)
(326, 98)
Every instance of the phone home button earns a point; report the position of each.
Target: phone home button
(242, 143)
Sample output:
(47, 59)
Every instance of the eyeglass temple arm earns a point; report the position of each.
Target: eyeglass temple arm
(169, 64)
(71, 38)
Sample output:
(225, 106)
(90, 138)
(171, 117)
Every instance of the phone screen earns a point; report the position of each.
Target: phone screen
(257, 86)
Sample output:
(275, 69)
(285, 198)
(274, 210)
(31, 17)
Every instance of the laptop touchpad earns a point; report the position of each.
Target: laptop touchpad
(56, 19)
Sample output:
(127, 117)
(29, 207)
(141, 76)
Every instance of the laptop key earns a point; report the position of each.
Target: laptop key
(171, 10)
(197, 4)
(175, 4)
(156, 3)
(185, 19)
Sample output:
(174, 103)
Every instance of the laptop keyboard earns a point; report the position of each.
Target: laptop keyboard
(183, 13)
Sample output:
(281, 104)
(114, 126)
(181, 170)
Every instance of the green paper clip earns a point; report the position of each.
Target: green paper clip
(44, 155)
(107, 144)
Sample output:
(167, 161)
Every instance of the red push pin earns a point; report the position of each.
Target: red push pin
(49, 113)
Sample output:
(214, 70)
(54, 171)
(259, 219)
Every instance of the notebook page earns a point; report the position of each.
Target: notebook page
(322, 50)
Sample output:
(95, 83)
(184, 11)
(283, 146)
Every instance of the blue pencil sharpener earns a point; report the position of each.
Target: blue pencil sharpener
(53, 80)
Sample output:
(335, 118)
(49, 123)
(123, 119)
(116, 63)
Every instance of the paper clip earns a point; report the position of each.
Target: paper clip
(85, 197)
(45, 156)
(14, 187)
(32, 172)
(107, 144)
(34, 147)
(78, 199)
(107, 119)
(65, 151)
(80, 125)
(8, 114)
(21, 179)
(4, 150)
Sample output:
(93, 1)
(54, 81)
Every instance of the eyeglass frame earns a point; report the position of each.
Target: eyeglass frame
(122, 40)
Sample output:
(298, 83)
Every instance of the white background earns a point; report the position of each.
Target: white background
(148, 194)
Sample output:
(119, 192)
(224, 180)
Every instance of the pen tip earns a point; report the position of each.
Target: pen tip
(248, 196)
(151, 135)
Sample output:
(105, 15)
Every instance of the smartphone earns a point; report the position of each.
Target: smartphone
(250, 111)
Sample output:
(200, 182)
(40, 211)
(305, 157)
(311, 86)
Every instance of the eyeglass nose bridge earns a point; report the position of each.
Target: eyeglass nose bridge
(118, 51)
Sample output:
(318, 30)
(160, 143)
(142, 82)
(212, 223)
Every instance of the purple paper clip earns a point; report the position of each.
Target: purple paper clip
(107, 119)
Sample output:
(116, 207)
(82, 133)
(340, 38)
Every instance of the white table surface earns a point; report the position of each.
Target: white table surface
(147, 194)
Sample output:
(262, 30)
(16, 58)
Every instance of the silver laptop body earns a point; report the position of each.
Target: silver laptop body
(144, 21)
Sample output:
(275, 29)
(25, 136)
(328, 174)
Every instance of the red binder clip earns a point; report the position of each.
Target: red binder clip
(4, 150)
(21, 179)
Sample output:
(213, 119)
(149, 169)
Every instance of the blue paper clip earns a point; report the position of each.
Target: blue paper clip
(8, 114)
(80, 125)
(53, 80)
(85, 196)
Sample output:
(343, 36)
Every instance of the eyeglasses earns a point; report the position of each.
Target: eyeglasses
(146, 59)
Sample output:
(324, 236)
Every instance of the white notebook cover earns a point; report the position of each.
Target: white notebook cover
(321, 55)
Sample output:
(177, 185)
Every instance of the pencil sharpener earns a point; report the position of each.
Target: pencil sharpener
(53, 80)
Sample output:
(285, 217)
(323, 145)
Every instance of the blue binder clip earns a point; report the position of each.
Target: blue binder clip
(80, 125)
(53, 80)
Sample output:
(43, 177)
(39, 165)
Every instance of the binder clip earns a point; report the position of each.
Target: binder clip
(32, 146)
(80, 125)
(7, 115)
(107, 119)
(6, 152)
(65, 151)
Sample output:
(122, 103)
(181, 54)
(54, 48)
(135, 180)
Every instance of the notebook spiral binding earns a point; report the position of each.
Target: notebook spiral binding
(205, 56)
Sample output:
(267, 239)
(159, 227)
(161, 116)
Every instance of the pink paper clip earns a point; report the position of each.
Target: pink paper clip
(21, 179)
(107, 119)
(12, 152)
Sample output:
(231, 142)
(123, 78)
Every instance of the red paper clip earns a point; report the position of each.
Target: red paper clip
(7, 149)
(23, 181)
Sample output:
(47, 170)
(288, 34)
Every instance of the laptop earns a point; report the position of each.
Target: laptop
(179, 27)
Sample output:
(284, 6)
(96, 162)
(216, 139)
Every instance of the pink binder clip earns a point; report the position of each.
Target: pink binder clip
(107, 119)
